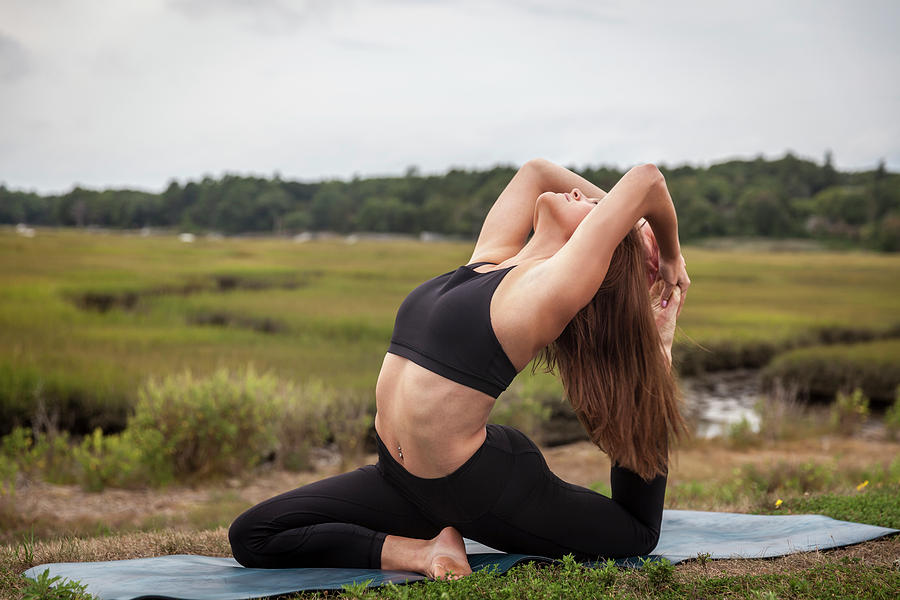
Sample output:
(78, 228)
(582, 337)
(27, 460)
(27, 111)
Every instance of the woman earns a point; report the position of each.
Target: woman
(577, 290)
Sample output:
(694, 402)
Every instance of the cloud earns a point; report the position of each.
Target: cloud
(14, 60)
(135, 93)
(361, 45)
(572, 10)
(262, 16)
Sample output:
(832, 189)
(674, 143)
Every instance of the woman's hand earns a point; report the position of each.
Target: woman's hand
(665, 316)
(673, 273)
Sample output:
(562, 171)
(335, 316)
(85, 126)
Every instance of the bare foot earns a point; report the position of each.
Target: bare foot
(447, 556)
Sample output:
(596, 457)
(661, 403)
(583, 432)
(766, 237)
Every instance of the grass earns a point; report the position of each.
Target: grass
(872, 507)
(868, 570)
(326, 309)
(844, 478)
(874, 367)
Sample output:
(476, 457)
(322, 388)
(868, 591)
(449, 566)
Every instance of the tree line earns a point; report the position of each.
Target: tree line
(786, 197)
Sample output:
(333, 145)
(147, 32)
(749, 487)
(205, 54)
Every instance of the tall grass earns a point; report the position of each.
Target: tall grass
(874, 367)
(325, 309)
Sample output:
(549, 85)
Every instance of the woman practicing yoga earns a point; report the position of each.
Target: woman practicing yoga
(577, 294)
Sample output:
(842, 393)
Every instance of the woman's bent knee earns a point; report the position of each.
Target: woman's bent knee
(648, 542)
(239, 537)
(641, 543)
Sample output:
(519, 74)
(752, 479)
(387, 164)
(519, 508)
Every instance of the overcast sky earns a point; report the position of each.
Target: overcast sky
(113, 93)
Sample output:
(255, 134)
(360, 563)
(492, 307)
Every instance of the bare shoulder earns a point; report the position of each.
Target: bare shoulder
(525, 312)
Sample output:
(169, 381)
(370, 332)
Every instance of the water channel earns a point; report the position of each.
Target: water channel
(712, 401)
(715, 401)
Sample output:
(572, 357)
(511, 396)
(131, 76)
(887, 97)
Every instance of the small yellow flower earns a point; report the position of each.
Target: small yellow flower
(862, 485)
(778, 502)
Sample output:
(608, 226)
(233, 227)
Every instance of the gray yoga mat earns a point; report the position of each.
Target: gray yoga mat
(685, 534)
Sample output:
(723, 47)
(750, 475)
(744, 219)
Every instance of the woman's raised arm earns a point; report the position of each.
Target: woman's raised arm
(571, 277)
(510, 219)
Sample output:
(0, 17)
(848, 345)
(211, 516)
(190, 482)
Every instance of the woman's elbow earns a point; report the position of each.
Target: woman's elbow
(648, 173)
(536, 165)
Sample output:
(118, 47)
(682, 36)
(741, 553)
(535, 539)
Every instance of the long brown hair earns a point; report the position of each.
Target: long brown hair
(614, 371)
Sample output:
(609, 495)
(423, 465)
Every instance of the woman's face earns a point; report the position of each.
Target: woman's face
(565, 210)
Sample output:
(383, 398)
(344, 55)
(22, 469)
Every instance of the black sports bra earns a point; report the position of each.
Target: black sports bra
(445, 326)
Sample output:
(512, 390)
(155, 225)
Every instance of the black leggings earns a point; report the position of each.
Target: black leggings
(504, 496)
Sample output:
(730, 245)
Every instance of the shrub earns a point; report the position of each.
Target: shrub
(824, 370)
(741, 435)
(187, 427)
(849, 412)
(350, 416)
(46, 452)
(217, 425)
(892, 417)
(228, 422)
(130, 459)
(691, 358)
(301, 425)
(784, 417)
(526, 406)
(15, 452)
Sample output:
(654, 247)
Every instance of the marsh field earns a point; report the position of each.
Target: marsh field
(88, 318)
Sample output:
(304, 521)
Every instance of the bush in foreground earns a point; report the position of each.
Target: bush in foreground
(219, 424)
(186, 427)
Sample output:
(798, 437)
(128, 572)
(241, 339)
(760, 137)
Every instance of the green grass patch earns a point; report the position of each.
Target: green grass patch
(874, 367)
(564, 581)
(45, 587)
(754, 489)
(831, 574)
(875, 504)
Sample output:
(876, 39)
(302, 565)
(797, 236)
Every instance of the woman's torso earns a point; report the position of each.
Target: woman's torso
(436, 422)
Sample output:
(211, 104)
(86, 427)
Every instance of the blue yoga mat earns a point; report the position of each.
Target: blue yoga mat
(685, 534)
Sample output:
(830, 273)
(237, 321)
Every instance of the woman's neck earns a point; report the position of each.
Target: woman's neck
(540, 247)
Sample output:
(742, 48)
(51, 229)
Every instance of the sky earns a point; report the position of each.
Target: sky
(112, 93)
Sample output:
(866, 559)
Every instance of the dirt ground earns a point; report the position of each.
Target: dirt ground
(67, 509)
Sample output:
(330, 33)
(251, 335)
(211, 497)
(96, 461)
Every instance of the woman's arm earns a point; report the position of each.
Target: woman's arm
(510, 219)
(572, 276)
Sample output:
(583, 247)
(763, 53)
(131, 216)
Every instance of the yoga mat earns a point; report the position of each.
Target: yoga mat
(684, 535)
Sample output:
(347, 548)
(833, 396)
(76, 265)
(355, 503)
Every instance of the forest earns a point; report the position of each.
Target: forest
(790, 197)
